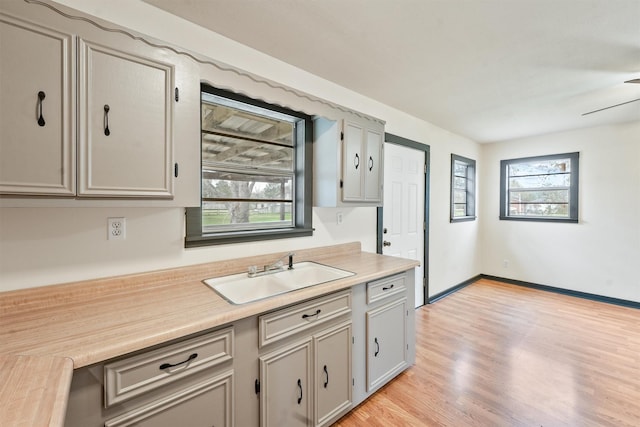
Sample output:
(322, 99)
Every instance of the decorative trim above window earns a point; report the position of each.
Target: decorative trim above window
(463, 189)
(541, 188)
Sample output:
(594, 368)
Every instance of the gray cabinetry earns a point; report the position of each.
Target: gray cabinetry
(305, 367)
(348, 158)
(37, 109)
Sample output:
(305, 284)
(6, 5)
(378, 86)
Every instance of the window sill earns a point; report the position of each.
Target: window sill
(462, 219)
(539, 219)
(245, 236)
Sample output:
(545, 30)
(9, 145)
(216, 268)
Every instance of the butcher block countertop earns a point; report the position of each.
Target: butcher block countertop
(45, 332)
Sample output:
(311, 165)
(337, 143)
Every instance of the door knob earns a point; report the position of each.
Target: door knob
(385, 243)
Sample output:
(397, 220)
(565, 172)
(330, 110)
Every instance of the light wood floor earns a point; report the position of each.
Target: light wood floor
(494, 354)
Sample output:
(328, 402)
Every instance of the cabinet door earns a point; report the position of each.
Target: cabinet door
(203, 405)
(125, 146)
(352, 162)
(373, 169)
(37, 115)
(333, 373)
(386, 342)
(285, 387)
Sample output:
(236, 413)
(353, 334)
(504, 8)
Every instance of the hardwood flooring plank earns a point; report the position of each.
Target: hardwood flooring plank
(496, 354)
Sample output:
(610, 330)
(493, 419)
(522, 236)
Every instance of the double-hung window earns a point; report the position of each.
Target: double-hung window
(256, 171)
(463, 189)
(543, 188)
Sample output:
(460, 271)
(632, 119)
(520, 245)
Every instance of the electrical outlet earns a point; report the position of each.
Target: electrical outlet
(339, 218)
(116, 228)
(505, 263)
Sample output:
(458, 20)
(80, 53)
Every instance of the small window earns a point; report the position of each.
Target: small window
(543, 188)
(463, 189)
(256, 171)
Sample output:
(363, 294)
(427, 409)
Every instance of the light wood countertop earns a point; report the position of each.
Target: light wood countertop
(96, 320)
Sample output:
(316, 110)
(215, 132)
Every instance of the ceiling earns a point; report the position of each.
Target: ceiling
(490, 70)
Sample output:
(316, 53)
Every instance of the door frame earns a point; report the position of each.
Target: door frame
(398, 140)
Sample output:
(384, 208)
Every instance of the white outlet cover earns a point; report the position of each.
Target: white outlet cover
(116, 228)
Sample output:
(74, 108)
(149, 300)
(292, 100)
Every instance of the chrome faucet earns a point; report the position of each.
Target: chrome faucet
(274, 267)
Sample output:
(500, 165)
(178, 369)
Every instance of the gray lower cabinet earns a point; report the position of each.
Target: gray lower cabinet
(305, 369)
(186, 383)
(205, 404)
(306, 364)
(285, 386)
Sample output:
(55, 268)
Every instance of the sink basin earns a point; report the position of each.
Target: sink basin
(240, 288)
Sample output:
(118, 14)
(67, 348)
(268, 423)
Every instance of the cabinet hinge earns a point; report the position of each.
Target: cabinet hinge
(341, 183)
(341, 136)
(425, 168)
(353, 382)
(177, 94)
(175, 170)
(257, 386)
(353, 340)
(424, 226)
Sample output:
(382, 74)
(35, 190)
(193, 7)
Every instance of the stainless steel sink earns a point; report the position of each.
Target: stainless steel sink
(240, 288)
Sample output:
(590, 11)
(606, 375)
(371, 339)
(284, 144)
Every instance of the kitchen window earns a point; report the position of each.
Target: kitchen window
(543, 188)
(256, 171)
(463, 189)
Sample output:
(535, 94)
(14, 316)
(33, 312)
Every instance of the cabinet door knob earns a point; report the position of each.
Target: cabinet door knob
(385, 243)
(107, 132)
(356, 161)
(41, 96)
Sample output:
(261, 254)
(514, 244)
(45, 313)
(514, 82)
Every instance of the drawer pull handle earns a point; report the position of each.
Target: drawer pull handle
(326, 372)
(169, 365)
(299, 389)
(356, 161)
(306, 316)
(386, 288)
(41, 96)
(370, 163)
(377, 347)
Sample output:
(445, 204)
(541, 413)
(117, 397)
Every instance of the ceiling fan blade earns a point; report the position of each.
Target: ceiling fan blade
(611, 106)
(633, 81)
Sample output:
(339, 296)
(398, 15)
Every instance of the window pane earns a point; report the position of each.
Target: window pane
(232, 185)
(224, 150)
(540, 167)
(459, 169)
(245, 215)
(459, 209)
(539, 196)
(562, 180)
(460, 183)
(459, 196)
(539, 210)
(232, 121)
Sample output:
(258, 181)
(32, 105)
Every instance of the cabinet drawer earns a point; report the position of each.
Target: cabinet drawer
(385, 288)
(130, 377)
(289, 321)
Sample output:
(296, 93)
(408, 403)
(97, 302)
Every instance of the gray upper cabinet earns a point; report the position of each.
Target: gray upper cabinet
(37, 109)
(91, 114)
(348, 162)
(125, 145)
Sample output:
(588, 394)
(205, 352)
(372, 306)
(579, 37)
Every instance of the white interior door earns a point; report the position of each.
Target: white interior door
(403, 209)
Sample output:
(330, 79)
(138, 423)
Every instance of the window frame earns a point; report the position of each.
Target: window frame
(303, 185)
(573, 217)
(470, 191)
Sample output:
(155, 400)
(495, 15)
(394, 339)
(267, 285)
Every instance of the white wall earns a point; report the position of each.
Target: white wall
(601, 253)
(41, 246)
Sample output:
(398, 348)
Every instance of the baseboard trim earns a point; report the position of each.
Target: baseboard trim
(456, 288)
(578, 294)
